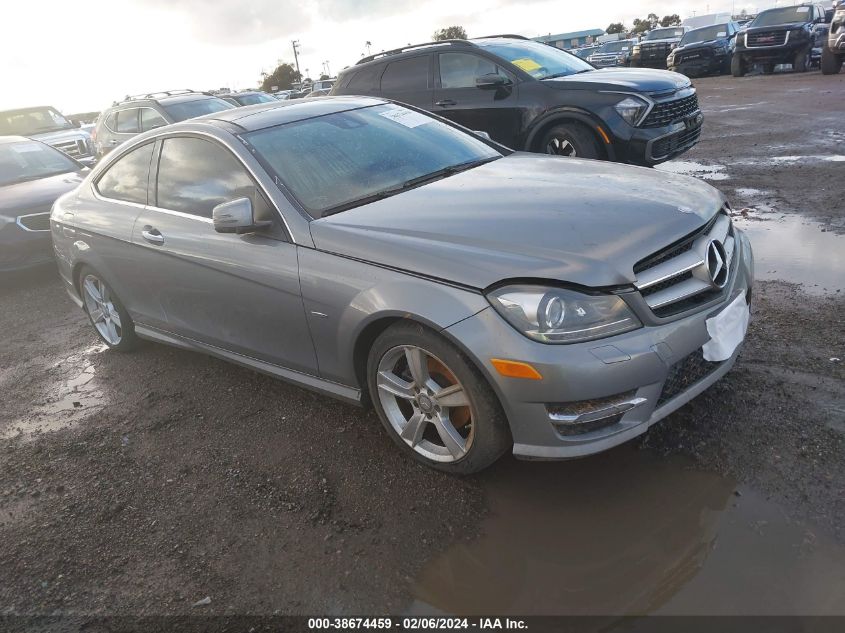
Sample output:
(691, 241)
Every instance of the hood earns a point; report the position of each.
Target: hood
(525, 216)
(37, 195)
(56, 136)
(706, 44)
(666, 40)
(776, 27)
(628, 79)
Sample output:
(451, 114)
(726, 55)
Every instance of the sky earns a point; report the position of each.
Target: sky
(81, 56)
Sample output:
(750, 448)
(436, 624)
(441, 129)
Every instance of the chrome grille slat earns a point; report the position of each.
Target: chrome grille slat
(668, 269)
(688, 288)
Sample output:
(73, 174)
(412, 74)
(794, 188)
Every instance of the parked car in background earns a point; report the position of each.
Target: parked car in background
(247, 97)
(616, 53)
(318, 93)
(482, 300)
(784, 35)
(538, 98)
(142, 113)
(705, 51)
(323, 84)
(32, 176)
(653, 50)
(282, 95)
(47, 124)
(585, 51)
(833, 51)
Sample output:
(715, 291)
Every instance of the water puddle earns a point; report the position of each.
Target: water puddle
(76, 396)
(628, 533)
(690, 168)
(831, 158)
(790, 248)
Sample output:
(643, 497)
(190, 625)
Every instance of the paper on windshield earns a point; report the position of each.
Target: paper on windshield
(802, 9)
(721, 34)
(405, 117)
(527, 64)
(25, 148)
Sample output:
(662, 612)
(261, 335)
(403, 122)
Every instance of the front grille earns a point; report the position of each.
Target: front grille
(35, 221)
(684, 374)
(766, 38)
(74, 149)
(677, 279)
(700, 55)
(675, 143)
(667, 112)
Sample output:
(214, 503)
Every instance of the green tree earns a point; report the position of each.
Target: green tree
(615, 27)
(324, 76)
(651, 21)
(282, 78)
(671, 20)
(450, 33)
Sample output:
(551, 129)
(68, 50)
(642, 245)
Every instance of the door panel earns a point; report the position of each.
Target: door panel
(492, 110)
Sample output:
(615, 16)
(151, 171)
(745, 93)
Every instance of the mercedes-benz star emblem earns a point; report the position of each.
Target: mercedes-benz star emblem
(717, 263)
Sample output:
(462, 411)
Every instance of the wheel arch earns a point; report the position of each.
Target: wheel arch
(568, 115)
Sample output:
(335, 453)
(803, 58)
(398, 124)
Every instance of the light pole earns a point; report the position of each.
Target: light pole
(295, 44)
(326, 68)
(368, 44)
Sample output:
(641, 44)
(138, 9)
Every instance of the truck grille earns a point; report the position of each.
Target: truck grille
(667, 112)
(762, 39)
(697, 55)
(678, 278)
(74, 149)
(684, 374)
(675, 143)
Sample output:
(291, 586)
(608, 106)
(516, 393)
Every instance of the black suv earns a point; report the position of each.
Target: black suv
(786, 35)
(538, 98)
(133, 115)
(834, 49)
(653, 51)
(705, 51)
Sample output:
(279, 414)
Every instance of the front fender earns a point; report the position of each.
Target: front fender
(567, 113)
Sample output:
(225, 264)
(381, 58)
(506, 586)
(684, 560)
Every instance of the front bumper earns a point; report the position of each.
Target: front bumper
(21, 249)
(645, 366)
(701, 66)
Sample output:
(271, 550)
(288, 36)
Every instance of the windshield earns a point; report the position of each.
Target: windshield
(337, 161)
(784, 15)
(584, 53)
(541, 61)
(664, 34)
(32, 121)
(252, 99)
(705, 34)
(615, 47)
(31, 160)
(191, 109)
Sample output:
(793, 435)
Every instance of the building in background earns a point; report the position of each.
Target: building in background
(570, 40)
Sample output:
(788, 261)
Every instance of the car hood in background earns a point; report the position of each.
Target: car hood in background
(37, 195)
(56, 136)
(631, 79)
(525, 216)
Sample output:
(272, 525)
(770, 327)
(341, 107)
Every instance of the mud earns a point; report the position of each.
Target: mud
(140, 484)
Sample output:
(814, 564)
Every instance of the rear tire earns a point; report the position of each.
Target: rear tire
(831, 63)
(105, 311)
(801, 63)
(737, 66)
(571, 140)
(461, 431)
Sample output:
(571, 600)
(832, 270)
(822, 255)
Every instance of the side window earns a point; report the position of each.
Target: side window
(111, 121)
(126, 179)
(150, 119)
(195, 175)
(459, 70)
(365, 81)
(127, 121)
(406, 74)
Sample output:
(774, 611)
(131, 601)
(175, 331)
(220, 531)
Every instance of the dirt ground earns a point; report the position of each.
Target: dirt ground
(140, 484)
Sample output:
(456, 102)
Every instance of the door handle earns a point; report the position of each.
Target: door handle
(445, 102)
(114, 141)
(152, 235)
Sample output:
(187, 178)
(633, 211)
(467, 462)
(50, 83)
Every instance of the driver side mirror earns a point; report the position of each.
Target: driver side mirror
(492, 80)
(236, 216)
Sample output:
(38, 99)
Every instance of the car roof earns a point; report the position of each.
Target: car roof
(262, 115)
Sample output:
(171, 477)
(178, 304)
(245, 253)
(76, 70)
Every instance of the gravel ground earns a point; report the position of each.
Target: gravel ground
(143, 483)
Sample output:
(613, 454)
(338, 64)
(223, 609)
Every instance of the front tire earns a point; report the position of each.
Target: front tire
(831, 63)
(570, 140)
(738, 68)
(106, 313)
(433, 402)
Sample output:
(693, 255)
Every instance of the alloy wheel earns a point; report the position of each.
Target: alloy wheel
(101, 309)
(558, 146)
(425, 403)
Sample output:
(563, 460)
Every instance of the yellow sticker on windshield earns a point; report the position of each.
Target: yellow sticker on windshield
(526, 64)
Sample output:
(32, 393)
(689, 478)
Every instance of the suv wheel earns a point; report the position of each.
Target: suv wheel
(106, 313)
(802, 61)
(570, 140)
(738, 66)
(433, 402)
(831, 63)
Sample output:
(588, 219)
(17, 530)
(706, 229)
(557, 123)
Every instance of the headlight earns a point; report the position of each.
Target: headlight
(720, 50)
(558, 315)
(632, 109)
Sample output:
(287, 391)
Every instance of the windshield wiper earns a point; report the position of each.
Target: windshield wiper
(408, 184)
